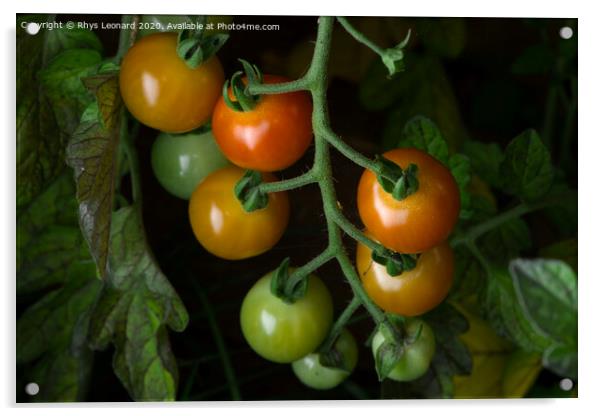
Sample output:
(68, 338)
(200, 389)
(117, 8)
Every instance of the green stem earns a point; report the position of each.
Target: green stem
(288, 184)
(478, 230)
(340, 323)
(132, 156)
(354, 232)
(309, 267)
(219, 342)
(300, 84)
(359, 36)
(127, 37)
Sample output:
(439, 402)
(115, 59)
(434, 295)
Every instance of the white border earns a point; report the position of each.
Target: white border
(590, 209)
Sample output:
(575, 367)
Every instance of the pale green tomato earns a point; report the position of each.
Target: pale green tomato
(181, 161)
(313, 374)
(283, 332)
(417, 356)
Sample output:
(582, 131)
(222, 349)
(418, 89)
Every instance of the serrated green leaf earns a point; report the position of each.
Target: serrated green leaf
(421, 133)
(506, 316)
(485, 160)
(528, 171)
(92, 153)
(506, 241)
(547, 292)
(133, 311)
(105, 87)
(58, 40)
(61, 82)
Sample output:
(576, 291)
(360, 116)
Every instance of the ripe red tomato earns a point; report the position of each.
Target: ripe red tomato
(413, 292)
(224, 228)
(161, 91)
(270, 137)
(419, 221)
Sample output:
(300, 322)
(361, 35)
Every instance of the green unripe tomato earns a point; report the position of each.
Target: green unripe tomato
(181, 161)
(417, 356)
(313, 374)
(283, 332)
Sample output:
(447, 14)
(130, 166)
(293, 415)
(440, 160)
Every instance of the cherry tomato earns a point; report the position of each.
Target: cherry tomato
(181, 161)
(313, 374)
(224, 228)
(418, 222)
(161, 91)
(415, 361)
(413, 292)
(272, 136)
(283, 332)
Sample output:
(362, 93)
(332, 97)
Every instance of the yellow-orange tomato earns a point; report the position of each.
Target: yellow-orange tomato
(413, 292)
(419, 221)
(224, 228)
(161, 91)
(271, 136)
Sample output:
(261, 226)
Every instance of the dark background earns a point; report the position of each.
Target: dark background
(495, 104)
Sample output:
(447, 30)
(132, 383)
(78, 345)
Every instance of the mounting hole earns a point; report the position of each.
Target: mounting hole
(566, 32)
(566, 384)
(32, 28)
(32, 389)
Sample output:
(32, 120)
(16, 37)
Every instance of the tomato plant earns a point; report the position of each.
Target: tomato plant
(418, 351)
(413, 292)
(224, 228)
(271, 136)
(418, 222)
(313, 374)
(181, 161)
(285, 332)
(161, 91)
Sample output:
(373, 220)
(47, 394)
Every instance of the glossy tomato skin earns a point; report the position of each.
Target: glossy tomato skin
(313, 374)
(420, 221)
(272, 136)
(418, 355)
(413, 292)
(283, 332)
(181, 161)
(161, 91)
(224, 228)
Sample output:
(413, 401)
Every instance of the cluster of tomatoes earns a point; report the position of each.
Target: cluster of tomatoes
(204, 167)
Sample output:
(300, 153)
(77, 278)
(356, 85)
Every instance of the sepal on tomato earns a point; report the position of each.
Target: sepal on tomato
(248, 192)
(387, 357)
(194, 48)
(395, 263)
(333, 359)
(398, 182)
(286, 287)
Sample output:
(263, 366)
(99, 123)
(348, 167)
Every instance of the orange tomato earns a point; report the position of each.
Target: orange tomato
(419, 221)
(161, 91)
(224, 228)
(413, 292)
(272, 136)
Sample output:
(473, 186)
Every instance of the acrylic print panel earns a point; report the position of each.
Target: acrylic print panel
(295, 208)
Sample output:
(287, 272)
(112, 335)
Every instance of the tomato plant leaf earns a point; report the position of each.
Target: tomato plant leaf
(506, 316)
(92, 153)
(528, 171)
(507, 241)
(49, 338)
(459, 166)
(561, 359)
(136, 305)
(40, 139)
(547, 293)
(485, 160)
(423, 134)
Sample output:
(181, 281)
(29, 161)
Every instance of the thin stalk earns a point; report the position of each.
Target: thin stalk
(340, 323)
(281, 88)
(220, 344)
(288, 184)
(359, 36)
(132, 156)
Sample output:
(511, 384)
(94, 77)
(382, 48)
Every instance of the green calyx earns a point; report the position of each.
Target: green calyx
(395, 263)
(399, 182)
(243, 100)
(195, 48)
(286, 286)
(249, 193)
(393, 57)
